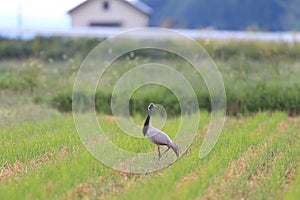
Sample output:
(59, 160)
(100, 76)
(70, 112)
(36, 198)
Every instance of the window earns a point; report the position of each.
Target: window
(105, 5)
(105, 24)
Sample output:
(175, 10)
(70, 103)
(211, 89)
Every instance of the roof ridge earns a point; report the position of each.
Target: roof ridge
(144, 8)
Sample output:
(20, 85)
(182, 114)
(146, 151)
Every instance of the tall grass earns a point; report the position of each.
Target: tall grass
(257, 75)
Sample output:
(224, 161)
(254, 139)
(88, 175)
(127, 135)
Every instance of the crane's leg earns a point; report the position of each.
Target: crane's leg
(158, 152)
(165, 151)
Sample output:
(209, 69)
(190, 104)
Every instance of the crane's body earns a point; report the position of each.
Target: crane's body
(157, 136)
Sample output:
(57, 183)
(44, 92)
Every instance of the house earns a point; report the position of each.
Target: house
(110, 13)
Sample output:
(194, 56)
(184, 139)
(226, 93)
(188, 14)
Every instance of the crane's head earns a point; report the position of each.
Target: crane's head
(151, 105)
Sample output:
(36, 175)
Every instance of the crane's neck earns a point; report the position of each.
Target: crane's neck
(147, 122)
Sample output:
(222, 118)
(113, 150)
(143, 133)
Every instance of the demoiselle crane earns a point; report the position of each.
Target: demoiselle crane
(157, 136)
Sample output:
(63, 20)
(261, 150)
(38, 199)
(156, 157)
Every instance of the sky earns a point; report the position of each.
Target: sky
(36, 14)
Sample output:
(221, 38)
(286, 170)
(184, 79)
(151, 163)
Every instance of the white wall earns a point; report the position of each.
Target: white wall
(118, 12)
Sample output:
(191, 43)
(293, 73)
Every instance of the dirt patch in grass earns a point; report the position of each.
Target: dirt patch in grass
(108, 118)
(237, 167)
(7, 170)
(283, 125)
(290, 175)
(191, 177)
(113, 183)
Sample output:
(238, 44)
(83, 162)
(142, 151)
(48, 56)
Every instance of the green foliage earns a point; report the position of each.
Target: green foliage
(47, 48)
(137, 104)
(257, 75)
(102, 102)
(63, 102)
(261, 97)
(22, 80)
(260, 51)
(64, 48)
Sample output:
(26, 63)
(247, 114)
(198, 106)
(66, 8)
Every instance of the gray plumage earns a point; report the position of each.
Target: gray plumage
(157, 136)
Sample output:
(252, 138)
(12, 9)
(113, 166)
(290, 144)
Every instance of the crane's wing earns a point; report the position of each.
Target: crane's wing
(157, 136)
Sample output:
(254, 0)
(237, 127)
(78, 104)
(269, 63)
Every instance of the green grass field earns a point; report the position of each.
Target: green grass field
(256, 157)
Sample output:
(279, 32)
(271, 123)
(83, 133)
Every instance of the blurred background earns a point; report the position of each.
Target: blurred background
(42, 44)
(266, 15)
(44, 17)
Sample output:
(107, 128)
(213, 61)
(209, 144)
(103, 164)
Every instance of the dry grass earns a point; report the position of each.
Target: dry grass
(7, 170)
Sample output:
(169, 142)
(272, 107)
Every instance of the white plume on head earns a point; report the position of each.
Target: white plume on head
(151, 105)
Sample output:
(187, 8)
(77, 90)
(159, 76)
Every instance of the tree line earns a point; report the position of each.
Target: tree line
(263, 15)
